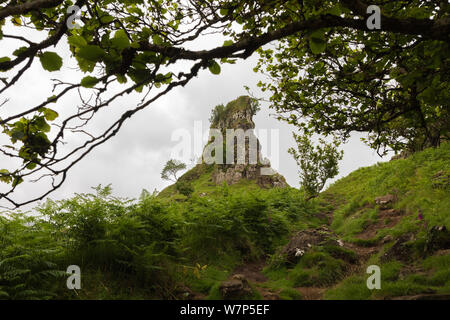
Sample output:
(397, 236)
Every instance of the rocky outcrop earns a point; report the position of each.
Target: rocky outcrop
(438, 238)
(401, 250)
(238, 114)
(304, 240)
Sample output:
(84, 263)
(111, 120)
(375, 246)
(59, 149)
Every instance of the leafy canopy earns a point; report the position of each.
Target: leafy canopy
(331, 73)
(392, 85)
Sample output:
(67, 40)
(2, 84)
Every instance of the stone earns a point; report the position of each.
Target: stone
(184, 292)
(387, 239)
(385, 201)
(235, 288)
(438, 238)
(304, 240)
(401, 249)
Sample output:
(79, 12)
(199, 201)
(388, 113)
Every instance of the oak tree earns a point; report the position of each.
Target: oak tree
(332, 73)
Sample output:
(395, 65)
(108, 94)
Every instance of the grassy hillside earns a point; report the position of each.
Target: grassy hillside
(393, 237)
(154, 247)
(185, 241)
(420, 182)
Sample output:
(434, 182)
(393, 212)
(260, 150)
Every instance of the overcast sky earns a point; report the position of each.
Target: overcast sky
(134, 158)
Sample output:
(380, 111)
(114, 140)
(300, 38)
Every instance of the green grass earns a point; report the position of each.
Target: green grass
(410, 179)
(413, 181)
(351, 199)
(320, 267)
(290, 294)
(145, 249)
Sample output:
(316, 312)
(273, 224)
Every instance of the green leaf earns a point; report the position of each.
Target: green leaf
(317, 41)
(335, 10)
(41, 124)
(91, 53)
(17, 181)
(50, 61)
(318, 34)
(16, 21)
(106, 19)
(17, 52)
(53, 98)
(17, 134)
(228, 43)
(31, 165)
(121, 78)
(214, 67)
(85, 65)
(157, 39)
(5, 176)
(317, 45)
(4, 59)
(50, 114)
(89, 82)
(120, 40)
(77, 41)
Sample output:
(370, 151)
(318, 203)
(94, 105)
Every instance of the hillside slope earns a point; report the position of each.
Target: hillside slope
(395, 215)
(211, 240)
(409, 235)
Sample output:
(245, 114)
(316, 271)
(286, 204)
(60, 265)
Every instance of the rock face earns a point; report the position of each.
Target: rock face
(248, 163)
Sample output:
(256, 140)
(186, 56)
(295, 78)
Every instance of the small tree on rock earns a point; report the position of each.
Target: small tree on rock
(171, 169)
(316, 164)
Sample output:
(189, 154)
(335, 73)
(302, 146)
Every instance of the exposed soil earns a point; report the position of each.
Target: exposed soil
(387, 218)
(252, 271)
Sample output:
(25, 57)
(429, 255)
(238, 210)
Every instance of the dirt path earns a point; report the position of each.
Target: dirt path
(252, 271)
(387, 218)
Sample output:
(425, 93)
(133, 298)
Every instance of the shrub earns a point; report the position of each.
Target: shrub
(184, 187)
(27, 254)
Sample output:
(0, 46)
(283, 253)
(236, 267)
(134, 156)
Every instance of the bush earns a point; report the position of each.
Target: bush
(27, 254)
(140, 248)
(184, 187)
